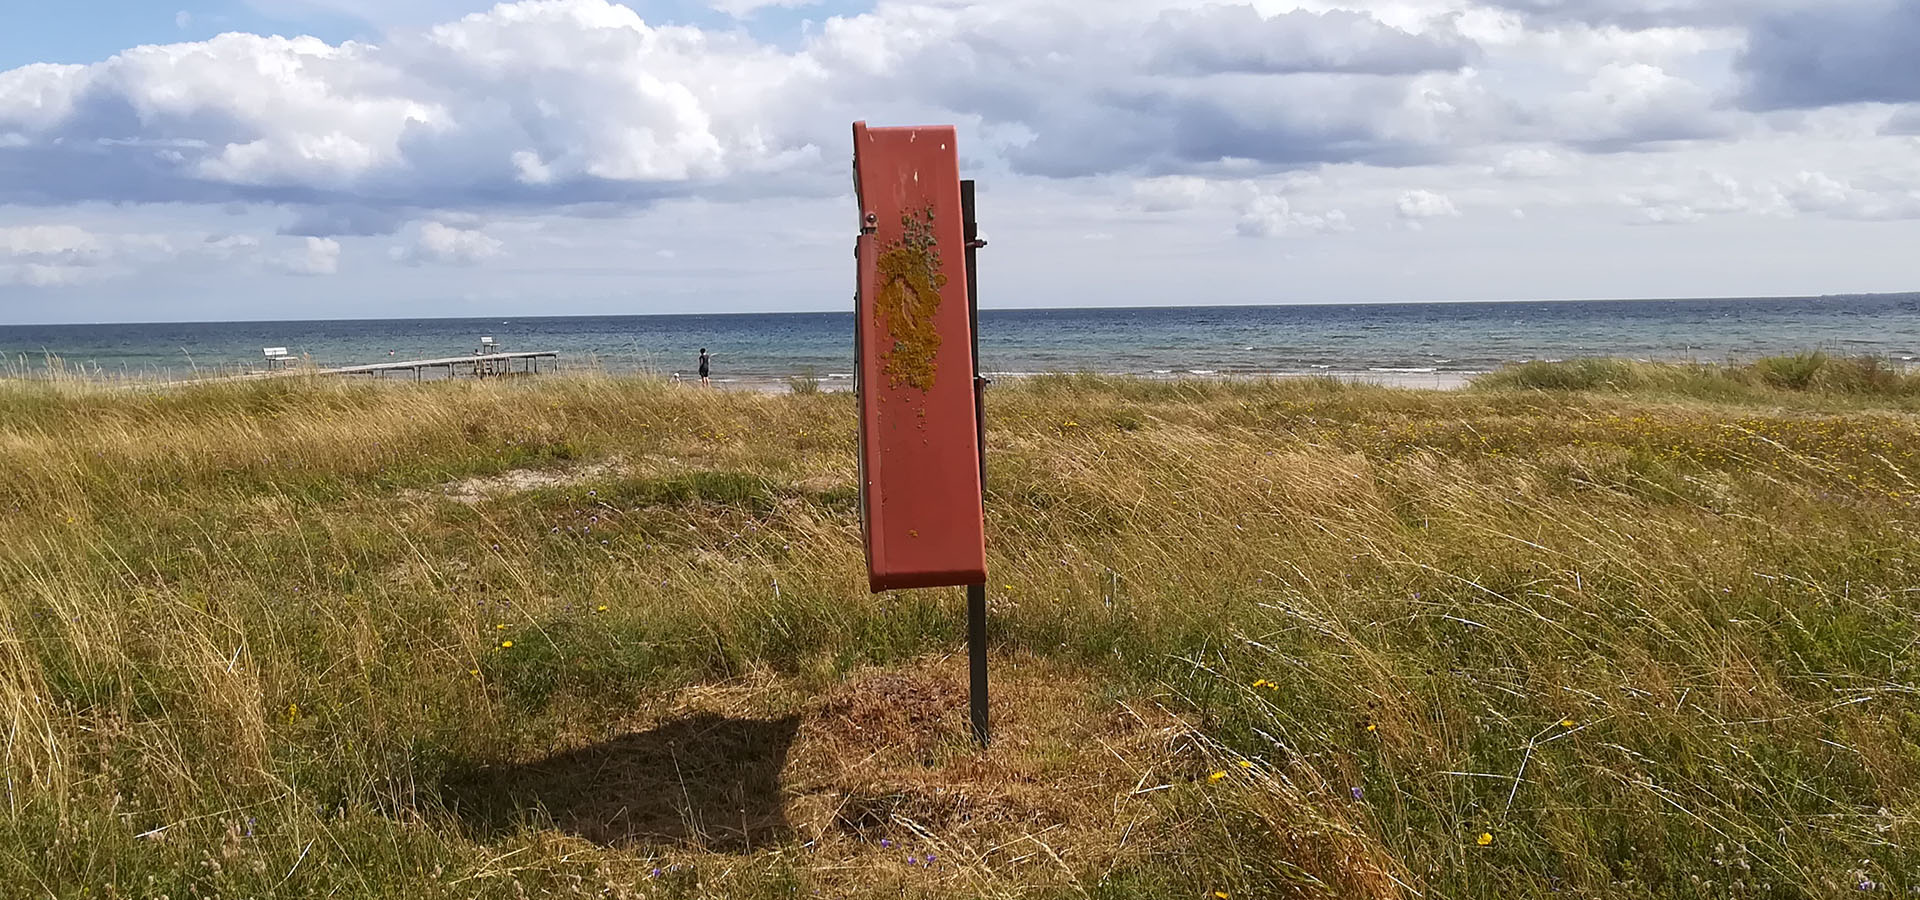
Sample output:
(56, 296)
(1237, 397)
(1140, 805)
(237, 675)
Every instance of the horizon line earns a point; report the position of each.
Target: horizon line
(815, 312)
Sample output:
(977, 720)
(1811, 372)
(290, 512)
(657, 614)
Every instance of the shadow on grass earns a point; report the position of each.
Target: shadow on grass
(706, 781)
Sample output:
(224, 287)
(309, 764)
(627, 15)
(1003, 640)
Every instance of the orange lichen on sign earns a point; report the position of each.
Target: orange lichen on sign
(910, 283)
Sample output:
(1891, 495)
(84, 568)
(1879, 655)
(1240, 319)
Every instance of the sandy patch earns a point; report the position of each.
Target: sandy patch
(473, 490)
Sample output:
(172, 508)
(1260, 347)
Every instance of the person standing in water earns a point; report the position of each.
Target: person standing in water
(704, 370)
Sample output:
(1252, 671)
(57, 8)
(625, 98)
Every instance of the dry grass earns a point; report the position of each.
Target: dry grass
(588, 636)
(1775, 379)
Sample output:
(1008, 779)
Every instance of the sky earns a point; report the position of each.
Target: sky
(301, 159)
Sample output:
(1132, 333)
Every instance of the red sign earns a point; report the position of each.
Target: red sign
(919, 444)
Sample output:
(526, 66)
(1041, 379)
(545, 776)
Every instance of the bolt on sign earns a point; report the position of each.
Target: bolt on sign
(920, 486)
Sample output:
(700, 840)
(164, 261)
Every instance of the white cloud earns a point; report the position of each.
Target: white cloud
(1711, 193)
(1637, 103)
(182, 19)
(1672, 214)
(65, 244)
(742, 9)
(1173, 192)
(578, 98)
(1645, 14)
(441, 245)
(1532, 162)
(1271, 215)
(1818, 192)
(1423, 204)
(318, 256)
(1226, 38)
(229, 246)
(49, 255)
(38, 97)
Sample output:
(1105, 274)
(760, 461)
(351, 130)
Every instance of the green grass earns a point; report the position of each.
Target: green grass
(1651, 630)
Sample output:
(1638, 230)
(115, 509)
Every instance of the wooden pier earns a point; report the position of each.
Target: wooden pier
(480, 365)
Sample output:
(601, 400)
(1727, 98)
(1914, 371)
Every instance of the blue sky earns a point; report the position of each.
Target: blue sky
(264, 159)
(85, 31)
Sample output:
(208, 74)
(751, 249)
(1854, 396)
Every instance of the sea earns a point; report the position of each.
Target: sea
(1393, 340)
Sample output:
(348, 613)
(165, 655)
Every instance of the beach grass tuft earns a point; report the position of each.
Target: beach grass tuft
(1788, 379)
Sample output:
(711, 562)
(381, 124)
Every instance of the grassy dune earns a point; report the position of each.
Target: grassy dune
(1627, 637)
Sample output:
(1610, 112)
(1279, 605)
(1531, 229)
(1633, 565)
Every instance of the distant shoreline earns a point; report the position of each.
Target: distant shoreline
(1436, 380)
(1429, 380)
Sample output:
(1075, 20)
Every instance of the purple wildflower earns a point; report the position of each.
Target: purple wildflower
(1357, 794)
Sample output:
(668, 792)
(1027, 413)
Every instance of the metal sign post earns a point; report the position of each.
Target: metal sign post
(922, 486)
(976, 593)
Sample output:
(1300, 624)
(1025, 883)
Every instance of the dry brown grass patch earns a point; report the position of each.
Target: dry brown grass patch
(885, 770)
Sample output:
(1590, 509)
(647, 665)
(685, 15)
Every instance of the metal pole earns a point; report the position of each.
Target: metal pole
(976, 593)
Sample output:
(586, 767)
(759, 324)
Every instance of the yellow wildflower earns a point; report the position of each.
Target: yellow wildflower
(506, 645)
(1566, 723)
(1220, 894)
(293, 711)
(474, 672)
(1370, 727)
(1217, 776)
(1245, 764)
(500, 627)
(1484, 839)
(602, 608)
